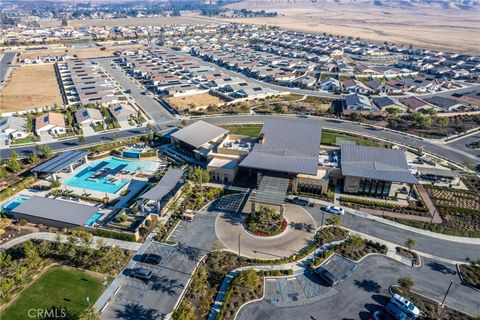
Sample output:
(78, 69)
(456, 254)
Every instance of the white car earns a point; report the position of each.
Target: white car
(336, 210)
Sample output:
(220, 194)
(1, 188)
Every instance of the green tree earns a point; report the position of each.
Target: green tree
(355, 242)
(199, 177)
(14, 164)
(28, 123)
(45, 150)
(3, 173)
(248, 278)
(33, 158)
(81, 139)
(410, 243)
(69, 118)
(406, 283)
(443, 122)
(334, 220)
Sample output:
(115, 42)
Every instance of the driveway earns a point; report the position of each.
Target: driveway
(300, 230)
(366, 290)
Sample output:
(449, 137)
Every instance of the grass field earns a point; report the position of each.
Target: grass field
(30, 87)
(197, 100)
(59, 287)
(252, 130)
(330, 138)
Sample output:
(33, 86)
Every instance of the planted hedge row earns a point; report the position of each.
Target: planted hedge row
(17, 187)
(116, 235)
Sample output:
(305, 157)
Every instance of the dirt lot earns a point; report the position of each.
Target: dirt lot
(93, 52)
(30, 87)
(423, 26)
(194, 101)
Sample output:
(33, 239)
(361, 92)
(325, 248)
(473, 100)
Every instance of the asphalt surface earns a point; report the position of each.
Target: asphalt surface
(439, 149)
(438, 247)
(74, 143)
(146, 101)
(366, 291)
(461, 144)
(6, 65)
(137, 299)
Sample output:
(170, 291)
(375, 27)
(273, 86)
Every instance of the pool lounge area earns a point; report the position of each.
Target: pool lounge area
(93, 219)
(108, 175)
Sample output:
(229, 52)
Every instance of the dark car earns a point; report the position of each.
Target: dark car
(128, 91)
(141, 273)
(152, 259)
(327, 276)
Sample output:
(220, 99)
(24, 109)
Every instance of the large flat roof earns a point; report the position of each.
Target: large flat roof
(164, 186)
(375, 163)
(289, 145)
(199, 133)
(60, 162)
(56, 210)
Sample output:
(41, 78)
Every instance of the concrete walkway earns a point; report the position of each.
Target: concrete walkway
(49, 236)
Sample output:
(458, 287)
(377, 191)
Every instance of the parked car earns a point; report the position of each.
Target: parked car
(335, 210)
(128, 91)
(327, 276)
(402, 308)
(301, 201)
(151, 258)
(142, 274)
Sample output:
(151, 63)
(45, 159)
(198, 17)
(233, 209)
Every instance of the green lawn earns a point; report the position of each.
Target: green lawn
(29, 139)
(330, 137)
(252, 130)
(59, 287)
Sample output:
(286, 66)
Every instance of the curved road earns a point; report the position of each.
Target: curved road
(438, 149)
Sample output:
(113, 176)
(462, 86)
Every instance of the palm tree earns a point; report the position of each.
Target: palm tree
(410, 243)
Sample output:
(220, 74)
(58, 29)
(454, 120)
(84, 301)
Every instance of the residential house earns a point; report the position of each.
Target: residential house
(416, 104)
(330, 84)
(14, 127)
(89, 116)
(384, 103)
(122, 112)
(356, 102)
(51, 122)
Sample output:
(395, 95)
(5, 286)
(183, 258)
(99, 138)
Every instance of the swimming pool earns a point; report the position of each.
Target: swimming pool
(11, 204)
(132, 153)
(93, 178)
(90, 222)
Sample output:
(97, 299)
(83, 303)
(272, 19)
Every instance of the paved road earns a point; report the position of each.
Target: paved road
(6, 65)
(161, 116)
(73, 143)
(461, 144)
(139, 300)
(443, 151)
(366, 290)
(301, 229)
(452, 250)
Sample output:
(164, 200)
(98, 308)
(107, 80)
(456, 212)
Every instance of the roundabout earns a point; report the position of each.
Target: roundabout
(300, 229)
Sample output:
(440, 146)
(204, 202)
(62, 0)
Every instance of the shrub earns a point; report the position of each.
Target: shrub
(116, 235)
(22, 222)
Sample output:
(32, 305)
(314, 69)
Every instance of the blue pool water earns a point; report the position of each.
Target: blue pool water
(132, 153)
(82, 179)
(9, 205)
(93, 219)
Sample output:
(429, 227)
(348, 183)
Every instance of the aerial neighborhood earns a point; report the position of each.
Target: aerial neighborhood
(185, 160)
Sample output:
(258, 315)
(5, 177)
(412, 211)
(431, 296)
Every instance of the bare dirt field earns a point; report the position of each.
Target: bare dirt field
(125, 22)
(30, 87)
(193, 101)
(423, 26)
(92, 52)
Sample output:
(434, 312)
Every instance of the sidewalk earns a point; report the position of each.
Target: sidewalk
(107, 242)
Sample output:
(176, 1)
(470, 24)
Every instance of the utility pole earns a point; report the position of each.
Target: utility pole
(323, 216)
(239, 236)
(446, 294)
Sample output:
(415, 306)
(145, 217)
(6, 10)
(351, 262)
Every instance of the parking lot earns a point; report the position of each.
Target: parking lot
(307, 287)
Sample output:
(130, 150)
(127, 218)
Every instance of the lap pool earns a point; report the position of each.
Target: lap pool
(100, 175)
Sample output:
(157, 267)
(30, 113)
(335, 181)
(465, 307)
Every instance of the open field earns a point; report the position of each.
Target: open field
(60, 287)
(125, 22)
(423, 26)
(30, 87)
(193, 101)
(91, 52)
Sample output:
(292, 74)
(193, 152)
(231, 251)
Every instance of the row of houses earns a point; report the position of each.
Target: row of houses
(170, 74)
(53, 123)
(83, 82)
